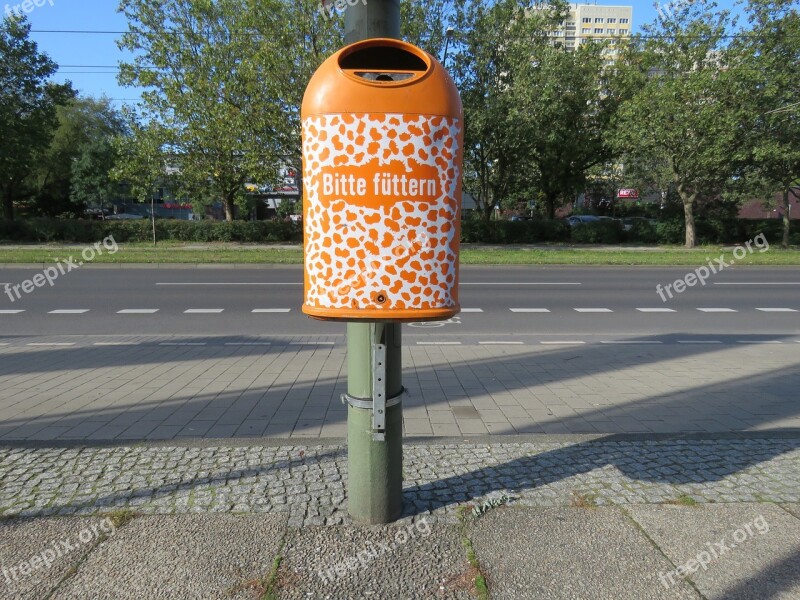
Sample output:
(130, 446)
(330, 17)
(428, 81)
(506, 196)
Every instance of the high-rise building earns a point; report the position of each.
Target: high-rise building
(587, 22)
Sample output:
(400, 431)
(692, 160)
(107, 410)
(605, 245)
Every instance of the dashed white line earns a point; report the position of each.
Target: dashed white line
(69, 311)
(471, 310)
(11, 312)
(137, 311)
(51, 344)
(114, 344)
(438, 343)
(271, 310)
(232, 283)
(203, 311)
(699, 342)
(562, 343)
(501, 343)
(656, 310)
(631, 342)
(758, 342)
(777, 310)
(182, 344)
(717, 310)
(759, 283)
(519, 283)
(311, 343)
(529, 310)
(248, 343)
(593, 310)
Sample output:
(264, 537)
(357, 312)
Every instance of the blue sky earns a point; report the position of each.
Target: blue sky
(88, 51)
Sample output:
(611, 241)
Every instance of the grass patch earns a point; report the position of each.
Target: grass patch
(120, 517)
(581, 500)
(474, 575)
(683, 500)
(191, 253)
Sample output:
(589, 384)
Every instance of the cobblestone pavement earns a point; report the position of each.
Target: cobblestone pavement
(308, 482)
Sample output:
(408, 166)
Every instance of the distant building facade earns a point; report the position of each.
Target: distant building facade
(587, 22)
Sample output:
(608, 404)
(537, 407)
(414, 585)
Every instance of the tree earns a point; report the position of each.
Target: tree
(224, 79)
(682, 109)
(770, 59)
(92, 183)
(492, 41)
(142, 163)
(85, 127)
(560, 113)
(28, 104)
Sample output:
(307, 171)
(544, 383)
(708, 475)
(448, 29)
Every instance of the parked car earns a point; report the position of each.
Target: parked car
(581, 219)
(629, 222)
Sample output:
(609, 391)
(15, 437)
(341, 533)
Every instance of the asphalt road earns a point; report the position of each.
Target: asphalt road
(500, 303)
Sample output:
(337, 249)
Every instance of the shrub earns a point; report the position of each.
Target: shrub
(598, 232)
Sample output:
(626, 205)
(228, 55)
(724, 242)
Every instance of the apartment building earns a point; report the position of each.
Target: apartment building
(595, 21)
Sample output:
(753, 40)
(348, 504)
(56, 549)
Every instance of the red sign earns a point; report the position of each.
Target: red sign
(628, 193)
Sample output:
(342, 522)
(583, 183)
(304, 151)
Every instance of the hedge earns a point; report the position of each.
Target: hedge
(671, 231)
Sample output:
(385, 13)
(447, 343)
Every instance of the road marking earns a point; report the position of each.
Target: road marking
(776, 309)
(69, 311)
(311, 343)
(519, 283)
(271, 310)
(501, 343)
(558, 343)
(137, 311)
(760, 283)
(631, 342)
(656, 310)
(182, 344)
(471, 310)
(4, 344)
(11, 312)
(699, 342)
(758, 342)
(438, 343)
(203, 311)
(593, 310)
(248, 343)
(51, 344)
(115, 344)
(717, 310)
(232, 283)
(529, 310)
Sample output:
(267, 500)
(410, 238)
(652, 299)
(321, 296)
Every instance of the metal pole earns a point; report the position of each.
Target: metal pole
(375, 466)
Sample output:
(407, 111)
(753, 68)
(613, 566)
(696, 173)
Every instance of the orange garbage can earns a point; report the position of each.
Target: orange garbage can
(382, 134)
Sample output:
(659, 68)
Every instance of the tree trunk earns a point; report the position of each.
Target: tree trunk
(8, 204)
(228, 202)
(786, 223)
(550, 204)
(688, 212)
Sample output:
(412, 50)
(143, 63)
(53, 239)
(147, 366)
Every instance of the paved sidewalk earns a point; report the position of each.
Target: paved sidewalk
(88, 388)
(735, 551)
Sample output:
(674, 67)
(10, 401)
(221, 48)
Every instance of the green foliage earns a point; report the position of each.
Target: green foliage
(82, 231)
(513, 232)
(598, 232)
(28, 104)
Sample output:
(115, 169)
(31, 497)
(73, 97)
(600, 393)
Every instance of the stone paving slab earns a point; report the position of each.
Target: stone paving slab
(154, 388)
(193, 556)
(35, 554)
(568, 553)
(308, 482)
(401, 561)
(731, 552)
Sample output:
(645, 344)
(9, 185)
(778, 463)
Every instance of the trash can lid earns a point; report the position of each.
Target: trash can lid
(381, 75)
